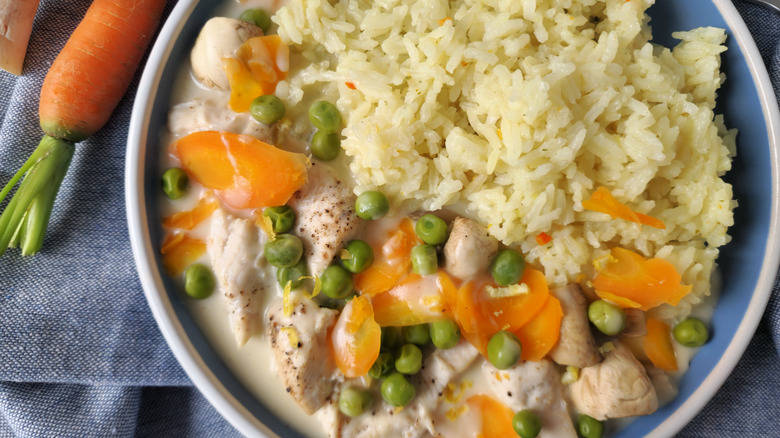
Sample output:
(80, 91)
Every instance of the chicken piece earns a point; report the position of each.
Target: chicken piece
(219, 38)
(576, 345)
(535, 386)
(416, 418)
(636, 323)
(213, 115)
(325, 217)
(235, 248)
(469, 249)
(617, 387)
(300, 345)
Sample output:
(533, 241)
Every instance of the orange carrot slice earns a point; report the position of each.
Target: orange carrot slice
(541, 334)
(260, 64)
(496, 417)
(658, 345)
(187, 220)
(391, 261)
(243, 171)
(630, 280)
(355, 338)
(179, 251)
(415, 300)
(602, 201)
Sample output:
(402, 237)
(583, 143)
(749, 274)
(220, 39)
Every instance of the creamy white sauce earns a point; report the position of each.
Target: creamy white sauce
(254, 363)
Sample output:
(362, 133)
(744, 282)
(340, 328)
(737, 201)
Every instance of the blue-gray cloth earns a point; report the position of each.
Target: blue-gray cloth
(80, 353)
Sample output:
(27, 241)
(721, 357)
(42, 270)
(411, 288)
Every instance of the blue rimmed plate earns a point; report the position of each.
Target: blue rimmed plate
(748, 264)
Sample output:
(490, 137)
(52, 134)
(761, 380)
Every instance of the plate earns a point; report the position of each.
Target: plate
(748, 263)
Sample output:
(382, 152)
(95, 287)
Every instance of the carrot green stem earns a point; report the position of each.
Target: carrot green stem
(26, 217)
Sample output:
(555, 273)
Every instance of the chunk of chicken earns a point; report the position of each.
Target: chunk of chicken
(469, 249)
(576, 345)
(535, 386)
(325, 217)
(300, 345)
(617, 387)
(212, 115)
(416, 418)
(235, 248)
(219, 38)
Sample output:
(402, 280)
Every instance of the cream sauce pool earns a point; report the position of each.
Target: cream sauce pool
(254, 364)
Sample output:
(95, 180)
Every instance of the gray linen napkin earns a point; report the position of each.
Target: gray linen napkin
(80, 354)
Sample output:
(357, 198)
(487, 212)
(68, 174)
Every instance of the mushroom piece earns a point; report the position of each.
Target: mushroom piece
(576, 346)
(219, 39)
(469, 249)
(617, 387)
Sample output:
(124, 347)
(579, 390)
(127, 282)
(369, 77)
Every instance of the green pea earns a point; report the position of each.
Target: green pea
(396, 390)
(174, 182)
(324, 146)
(416, 334)
(336, 282)
(198, 281)
(607, 317)
(589, 427)
(360, 256)
(372, 205)
(284, 251)
(354, 401)
(424, 259)
(325, 116)
(409, 360)
(445, 334)
(383, 366)
(508, 267)
(282, 218)
(293, 274)
(267, 109)
(391, 338)
(258, 17)
(526, 424)
(431, 229)
(503, 350)
(691, 333)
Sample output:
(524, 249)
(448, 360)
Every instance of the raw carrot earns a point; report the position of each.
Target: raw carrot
(81, 90)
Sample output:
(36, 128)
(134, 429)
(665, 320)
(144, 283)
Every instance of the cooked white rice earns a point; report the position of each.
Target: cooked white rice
(515, 111)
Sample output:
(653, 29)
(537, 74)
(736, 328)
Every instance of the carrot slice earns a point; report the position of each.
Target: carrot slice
(187, 220)
(260, 64)
(496, 417)
(541, 334)
(355, 338)
(391, 261)
(415, 300)
(602, 201)
(179, 251)
(658, 345)
(512, 313)
(243, 171)
(630, 280)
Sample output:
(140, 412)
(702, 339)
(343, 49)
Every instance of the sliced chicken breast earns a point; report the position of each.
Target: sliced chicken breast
(617, 387)
(300, 345)
(469, 249)
(235, 247)
(576, 346)
(325, 217)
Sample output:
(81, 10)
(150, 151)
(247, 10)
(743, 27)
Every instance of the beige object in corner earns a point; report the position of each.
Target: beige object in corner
(16, 20)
